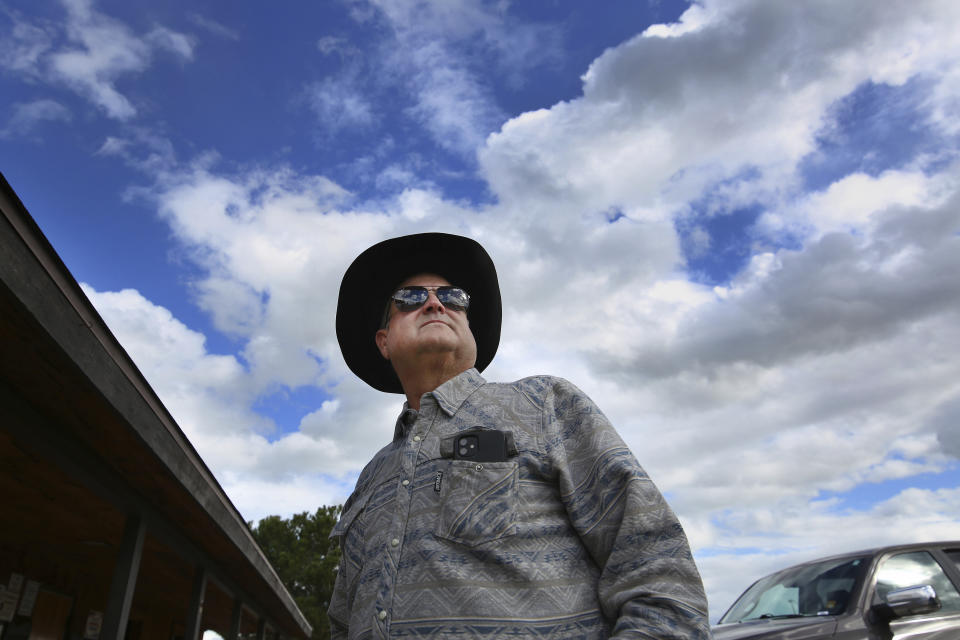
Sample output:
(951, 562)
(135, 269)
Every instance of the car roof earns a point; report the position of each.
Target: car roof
(913, 546)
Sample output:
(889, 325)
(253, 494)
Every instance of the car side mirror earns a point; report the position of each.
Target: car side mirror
(913, 601)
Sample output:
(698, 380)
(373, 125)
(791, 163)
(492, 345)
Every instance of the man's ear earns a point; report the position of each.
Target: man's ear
(381, 339)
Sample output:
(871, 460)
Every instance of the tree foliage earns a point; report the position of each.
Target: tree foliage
(305, 558)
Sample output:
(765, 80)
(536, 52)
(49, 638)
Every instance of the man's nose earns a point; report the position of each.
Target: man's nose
(433, 302)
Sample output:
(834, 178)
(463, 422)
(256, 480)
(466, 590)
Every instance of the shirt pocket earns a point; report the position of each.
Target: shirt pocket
(478, 501)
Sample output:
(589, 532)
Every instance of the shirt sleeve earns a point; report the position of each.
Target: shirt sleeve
(649, 586)
(338, 613)
(338, 629)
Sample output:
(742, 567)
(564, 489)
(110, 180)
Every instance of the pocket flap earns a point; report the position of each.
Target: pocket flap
(354, 507)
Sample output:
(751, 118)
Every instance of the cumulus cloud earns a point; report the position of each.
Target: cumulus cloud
(731, 86)
(332, 44)
(340, 104)
(945, 423)
(175, 361)
(853, 202)
(27, 116)
(98, 51)
(214, 27)
(176, 43)
(436, 48)
(287, 496)
(211, 395)
(24, 44)
(142, 149)
(104, 50)
(451, 103)
(916, 515)
(857, 289)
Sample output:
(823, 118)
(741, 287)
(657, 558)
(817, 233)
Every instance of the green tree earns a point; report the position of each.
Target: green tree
(305, 559)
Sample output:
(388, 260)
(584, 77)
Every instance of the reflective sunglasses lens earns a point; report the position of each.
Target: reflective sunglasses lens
(409, 298)
(453, 297)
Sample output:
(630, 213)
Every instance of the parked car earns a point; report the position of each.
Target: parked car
(906, 591)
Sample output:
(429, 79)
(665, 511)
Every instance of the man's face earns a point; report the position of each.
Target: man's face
(429, 329)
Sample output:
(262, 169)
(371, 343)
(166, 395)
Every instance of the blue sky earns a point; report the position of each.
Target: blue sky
(735, 225)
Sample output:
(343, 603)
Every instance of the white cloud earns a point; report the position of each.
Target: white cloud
(27, 116)
(442, 51)
(23, 47)
(333, 44)
(450, 102)
(142, 149)
(177, 43)
(339, 104)
(100, 51)
(107, 50)
(210, 396)
(738, 85)
(514, 45)
(913, 515)
(285, 497)
(945, 423)
(203, 391)
(699, 241)
(214, 27)
(850, 204)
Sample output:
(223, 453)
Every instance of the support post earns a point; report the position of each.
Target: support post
(235, 619)
(124, 580)
(262, 629)
(195, 612)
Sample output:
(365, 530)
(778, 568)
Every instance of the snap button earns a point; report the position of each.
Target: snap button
(382, 615)
(479, 467)
(405, 483)
(417, 438)
(394, 542)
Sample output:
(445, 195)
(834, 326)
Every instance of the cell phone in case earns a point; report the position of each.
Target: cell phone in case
(483, 445)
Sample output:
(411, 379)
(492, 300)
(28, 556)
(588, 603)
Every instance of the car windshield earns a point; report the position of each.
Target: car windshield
(821, 589)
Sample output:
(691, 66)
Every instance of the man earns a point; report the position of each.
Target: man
(498, 510)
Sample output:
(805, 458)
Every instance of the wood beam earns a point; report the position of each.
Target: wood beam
(235, 619)
(195, 611)
(124, 579)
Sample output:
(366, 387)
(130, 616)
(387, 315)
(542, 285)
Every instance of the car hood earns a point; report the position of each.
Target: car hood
(785, 628)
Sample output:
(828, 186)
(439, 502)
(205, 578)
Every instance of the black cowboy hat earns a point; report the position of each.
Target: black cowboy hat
(377, 272)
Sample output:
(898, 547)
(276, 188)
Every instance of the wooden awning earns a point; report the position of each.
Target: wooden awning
(108, 508)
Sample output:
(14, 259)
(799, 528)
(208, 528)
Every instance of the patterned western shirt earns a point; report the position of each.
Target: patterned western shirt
(567, 538)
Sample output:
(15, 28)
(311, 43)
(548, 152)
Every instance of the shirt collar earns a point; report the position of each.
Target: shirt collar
(452, 393)
(449, 396)
(406, 419)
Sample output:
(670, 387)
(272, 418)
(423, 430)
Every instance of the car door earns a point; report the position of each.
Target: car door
(910, 569)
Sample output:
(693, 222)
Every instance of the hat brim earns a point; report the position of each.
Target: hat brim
(375, 274)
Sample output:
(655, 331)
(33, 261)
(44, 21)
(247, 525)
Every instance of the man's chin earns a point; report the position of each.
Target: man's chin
(433, 347)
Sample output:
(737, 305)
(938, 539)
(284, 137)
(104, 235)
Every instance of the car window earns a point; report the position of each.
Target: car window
(818, 589)
(954, 555)
(913, 569)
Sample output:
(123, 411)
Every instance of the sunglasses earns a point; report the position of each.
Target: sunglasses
(410, 298)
